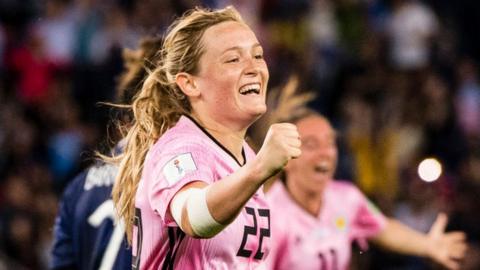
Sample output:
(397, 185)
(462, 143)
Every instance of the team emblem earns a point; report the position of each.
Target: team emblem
(341, 223)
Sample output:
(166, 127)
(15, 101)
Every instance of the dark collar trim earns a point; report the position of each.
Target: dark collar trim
(217, 142)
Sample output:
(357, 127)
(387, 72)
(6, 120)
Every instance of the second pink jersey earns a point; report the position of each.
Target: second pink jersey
(187, 153)
(303, 241)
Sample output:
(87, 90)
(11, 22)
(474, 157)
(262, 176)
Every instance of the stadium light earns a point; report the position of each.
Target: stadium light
(429, 169)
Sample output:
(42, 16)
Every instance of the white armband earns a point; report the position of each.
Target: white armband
(201, 220)
(176, 206)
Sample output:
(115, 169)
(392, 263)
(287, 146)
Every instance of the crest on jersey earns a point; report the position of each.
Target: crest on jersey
(341, 223)
(178, 167)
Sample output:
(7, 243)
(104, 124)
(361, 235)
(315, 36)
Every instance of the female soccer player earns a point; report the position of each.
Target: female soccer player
(188, 187)
(315, 219)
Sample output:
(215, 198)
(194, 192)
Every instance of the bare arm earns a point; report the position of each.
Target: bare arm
(443, 248)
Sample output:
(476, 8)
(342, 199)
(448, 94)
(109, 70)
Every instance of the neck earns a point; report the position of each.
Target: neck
(230, 137)
(309, 201)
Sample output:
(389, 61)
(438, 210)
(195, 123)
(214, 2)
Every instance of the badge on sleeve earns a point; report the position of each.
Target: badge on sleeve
(177, 167)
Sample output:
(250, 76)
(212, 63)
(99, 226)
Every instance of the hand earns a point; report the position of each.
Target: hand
(446, 248)
(281, 144)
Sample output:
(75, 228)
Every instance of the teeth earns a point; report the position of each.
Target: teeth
(250, 88)
(321, 168)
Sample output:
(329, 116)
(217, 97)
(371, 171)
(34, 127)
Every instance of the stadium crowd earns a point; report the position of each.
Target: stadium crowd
(399, 80)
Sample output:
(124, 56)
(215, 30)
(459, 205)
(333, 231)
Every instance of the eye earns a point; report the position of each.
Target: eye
(310, 144)
(259, 56)
(233, 60)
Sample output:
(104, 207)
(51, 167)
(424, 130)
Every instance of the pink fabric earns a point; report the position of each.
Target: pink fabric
(302, 241)
(162, 240)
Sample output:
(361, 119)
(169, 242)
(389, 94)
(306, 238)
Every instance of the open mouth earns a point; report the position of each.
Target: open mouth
(250, 89)
(322, 168)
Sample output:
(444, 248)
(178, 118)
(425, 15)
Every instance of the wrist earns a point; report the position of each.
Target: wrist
(429, 248)
(257, 171)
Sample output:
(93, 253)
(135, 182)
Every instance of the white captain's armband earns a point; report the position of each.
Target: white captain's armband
(201, 221)
(176, 206)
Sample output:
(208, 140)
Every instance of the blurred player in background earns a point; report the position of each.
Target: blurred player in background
(189, 186)
(86, 235)
(315, 219)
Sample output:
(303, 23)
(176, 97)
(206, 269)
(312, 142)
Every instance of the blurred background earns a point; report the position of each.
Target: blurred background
(399, 80)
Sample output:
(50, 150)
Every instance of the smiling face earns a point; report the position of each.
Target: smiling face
(316, 165)
(232, 77)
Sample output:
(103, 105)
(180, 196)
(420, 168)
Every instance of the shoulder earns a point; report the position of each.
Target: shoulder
(184, 135)
(344, 191)
(100, 175)
(280, 201)
(276, 191)
(92, 186)
(75, 187)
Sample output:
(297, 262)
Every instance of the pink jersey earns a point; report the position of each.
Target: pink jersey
(187, 153)
(302, 241)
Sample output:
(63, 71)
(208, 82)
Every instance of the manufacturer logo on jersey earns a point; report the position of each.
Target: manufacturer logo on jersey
(178, 167)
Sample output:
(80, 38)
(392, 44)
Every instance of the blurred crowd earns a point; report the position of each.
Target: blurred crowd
(399, 79)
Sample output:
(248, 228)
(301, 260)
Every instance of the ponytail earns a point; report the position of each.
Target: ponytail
(155, 110)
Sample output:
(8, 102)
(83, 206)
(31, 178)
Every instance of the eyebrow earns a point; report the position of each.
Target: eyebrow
(238, 48)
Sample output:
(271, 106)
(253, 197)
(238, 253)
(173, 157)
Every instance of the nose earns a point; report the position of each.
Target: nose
(252, 67)
(326, 151)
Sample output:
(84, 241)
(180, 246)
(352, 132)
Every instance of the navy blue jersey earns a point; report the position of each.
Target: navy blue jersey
(85, 236)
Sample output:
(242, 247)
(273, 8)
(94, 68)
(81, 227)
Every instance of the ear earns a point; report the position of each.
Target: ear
(186, 82)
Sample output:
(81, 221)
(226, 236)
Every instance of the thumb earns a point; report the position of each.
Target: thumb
(439, 225)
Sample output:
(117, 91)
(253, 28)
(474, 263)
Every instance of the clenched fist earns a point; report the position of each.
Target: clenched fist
(281, 144)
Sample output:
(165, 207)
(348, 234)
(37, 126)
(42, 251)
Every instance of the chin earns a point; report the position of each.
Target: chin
(257, 112)
(261, 112)
(319, 185)
(261, 109)
(318, 190)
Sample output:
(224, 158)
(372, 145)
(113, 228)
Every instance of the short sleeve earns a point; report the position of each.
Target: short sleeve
(368, 221)
(172, 168)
